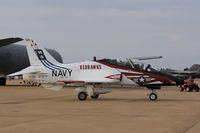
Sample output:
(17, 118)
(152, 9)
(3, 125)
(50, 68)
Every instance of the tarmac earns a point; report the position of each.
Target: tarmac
(25, 109)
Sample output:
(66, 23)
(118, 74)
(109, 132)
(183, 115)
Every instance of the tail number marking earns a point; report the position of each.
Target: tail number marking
(40, 54)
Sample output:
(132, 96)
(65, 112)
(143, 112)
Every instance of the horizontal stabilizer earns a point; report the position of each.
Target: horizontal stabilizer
(25, 71)
(7, 41)
(52, 87)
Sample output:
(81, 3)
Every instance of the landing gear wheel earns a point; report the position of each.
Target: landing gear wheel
(153, 96)
(82, 96)
(95, 96)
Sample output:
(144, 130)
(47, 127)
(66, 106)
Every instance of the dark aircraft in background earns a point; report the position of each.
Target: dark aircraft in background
(14, 57)
(188, 73)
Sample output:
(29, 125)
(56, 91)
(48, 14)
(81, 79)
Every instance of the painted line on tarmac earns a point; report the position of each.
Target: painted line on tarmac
(35, 100)
(187, 129)
(11, 103)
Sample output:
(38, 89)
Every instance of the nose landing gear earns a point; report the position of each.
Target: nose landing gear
(153, 96)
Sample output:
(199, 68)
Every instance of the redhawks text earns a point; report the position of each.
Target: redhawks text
(83, 67)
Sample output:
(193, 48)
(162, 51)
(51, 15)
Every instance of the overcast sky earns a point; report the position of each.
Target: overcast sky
(80, 29)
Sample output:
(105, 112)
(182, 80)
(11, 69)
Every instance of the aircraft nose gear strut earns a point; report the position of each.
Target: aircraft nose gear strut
(153, 96)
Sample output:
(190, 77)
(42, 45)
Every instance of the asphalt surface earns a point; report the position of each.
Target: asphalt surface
(26, 109)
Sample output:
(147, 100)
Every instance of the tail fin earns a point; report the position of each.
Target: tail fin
(39, 56)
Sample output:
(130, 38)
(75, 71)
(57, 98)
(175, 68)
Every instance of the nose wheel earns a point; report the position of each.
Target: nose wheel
(153, 96)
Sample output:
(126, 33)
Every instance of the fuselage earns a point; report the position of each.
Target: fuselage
(81, 72)
(99, 72)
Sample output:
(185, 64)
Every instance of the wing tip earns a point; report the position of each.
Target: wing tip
(11, 40)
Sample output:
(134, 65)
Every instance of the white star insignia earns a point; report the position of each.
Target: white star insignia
(141, 79)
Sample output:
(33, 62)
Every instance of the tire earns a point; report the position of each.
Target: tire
(196, 89)
(153, 96)
(95, 96)
(181, 89)
(82, 96)
(192, 88)
(188, 89)
(2, 81)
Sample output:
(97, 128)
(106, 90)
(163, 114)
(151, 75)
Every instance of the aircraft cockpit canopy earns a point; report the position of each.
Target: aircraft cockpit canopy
(129, 64)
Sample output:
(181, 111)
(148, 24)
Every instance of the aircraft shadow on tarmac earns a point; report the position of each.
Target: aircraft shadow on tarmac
(143, 100)
(65, 99)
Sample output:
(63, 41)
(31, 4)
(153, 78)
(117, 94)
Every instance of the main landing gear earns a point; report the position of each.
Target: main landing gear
(96, 96)
(82, 96)
(91, 91)
(153, 96)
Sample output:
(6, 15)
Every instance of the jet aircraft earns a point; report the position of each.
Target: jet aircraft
(91, 75)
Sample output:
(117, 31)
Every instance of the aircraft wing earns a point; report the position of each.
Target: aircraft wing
(52, 87)
(7, 41)
(148, 58)
(83, 82)
(25, 71)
